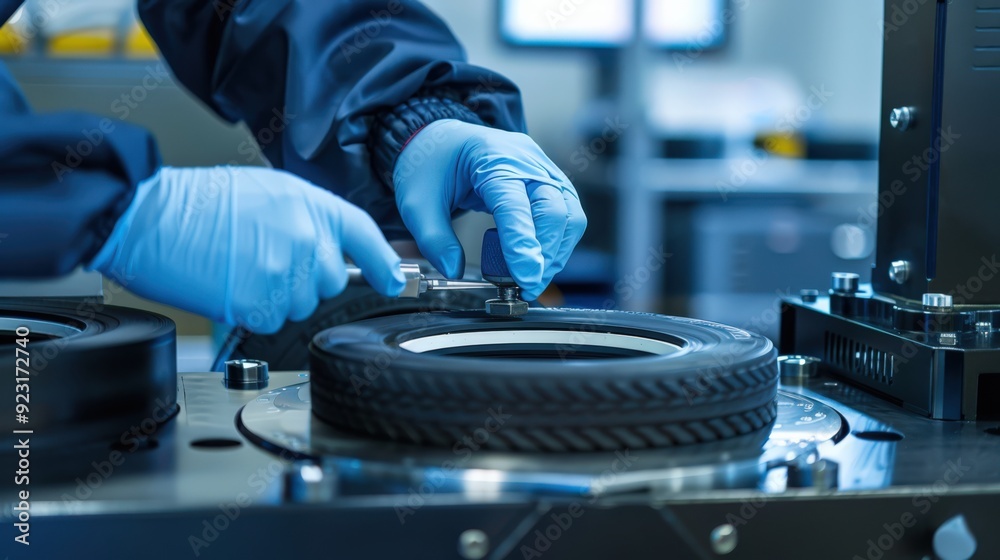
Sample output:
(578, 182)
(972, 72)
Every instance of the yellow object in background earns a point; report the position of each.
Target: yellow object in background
(789, 145)
(10, 41)
(84, 43)
(139, 44)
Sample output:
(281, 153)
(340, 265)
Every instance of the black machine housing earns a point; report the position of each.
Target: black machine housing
(937, 226)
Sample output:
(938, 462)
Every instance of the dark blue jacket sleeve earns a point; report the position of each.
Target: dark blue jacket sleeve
(310, 77)
(65, 178)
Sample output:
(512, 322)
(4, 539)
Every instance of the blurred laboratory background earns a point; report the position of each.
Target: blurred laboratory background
(725, 150)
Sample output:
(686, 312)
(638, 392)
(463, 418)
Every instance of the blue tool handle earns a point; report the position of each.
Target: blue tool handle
(492, 263)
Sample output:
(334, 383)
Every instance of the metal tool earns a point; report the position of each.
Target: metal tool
(417, 283)
(508, 302)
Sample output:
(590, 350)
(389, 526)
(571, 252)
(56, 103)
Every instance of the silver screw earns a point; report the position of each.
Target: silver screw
(902, 117)
(723, 539)
(809, 296)
(473, 544)
(899, 271)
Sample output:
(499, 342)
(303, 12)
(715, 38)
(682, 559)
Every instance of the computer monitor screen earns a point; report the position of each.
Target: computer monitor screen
(684, 24)
(595, 23)
(669, 24)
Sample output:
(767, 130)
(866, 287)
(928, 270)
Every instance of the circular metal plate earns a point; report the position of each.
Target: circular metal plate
(281, 421)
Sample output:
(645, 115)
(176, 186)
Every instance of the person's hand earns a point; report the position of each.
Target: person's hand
(451, 165)
(242, 245)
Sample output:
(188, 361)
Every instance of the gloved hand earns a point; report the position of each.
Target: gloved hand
(243, 245)
(451, 165)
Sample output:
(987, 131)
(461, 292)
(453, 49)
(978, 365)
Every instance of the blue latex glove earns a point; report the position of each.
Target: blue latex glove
(243, 245)
(451, 165)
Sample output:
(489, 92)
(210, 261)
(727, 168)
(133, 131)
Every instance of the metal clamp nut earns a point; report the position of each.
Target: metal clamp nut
(245, 374)
(506, 308)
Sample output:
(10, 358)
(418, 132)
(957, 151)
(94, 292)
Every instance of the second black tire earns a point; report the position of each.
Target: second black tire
(714, 383)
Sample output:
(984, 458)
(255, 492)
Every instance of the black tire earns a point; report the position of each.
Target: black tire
(721, 383)
(96, 371)
(288, 349)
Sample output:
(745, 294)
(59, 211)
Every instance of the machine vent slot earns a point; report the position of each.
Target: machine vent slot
(986, 50)
(859, 359)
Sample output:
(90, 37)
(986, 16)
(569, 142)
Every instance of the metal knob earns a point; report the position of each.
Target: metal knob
(798, 367)
(845, 282)
(937, 302)
(902, 118)
(899, 271)
(809, 295)
(508, 302)
(245, 374)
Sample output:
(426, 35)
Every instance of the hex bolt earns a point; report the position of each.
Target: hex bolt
(508, 303)
(899, 271)
(901, 118)
(473, 544)
(723, 539)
